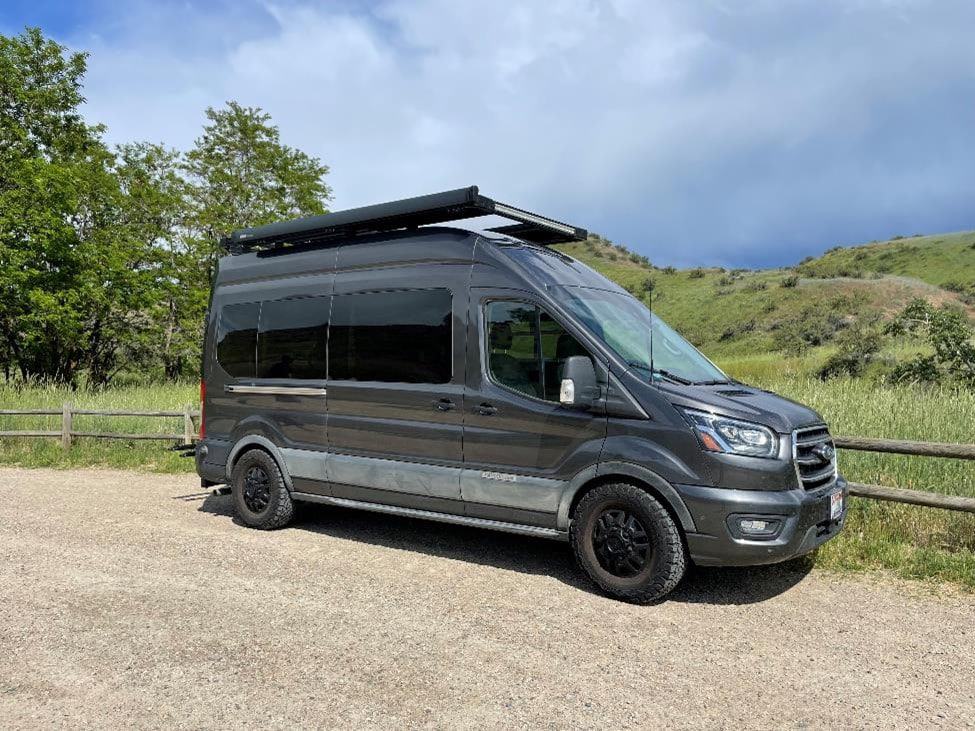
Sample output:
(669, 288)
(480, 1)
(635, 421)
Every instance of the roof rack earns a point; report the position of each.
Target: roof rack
(451, 205)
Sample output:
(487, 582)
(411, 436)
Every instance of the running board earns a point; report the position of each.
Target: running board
(499, 525)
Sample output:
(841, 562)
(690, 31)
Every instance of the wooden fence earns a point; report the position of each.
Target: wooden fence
(67, 432)
(874, 492)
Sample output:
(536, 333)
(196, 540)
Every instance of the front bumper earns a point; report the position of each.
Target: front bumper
(804, 523)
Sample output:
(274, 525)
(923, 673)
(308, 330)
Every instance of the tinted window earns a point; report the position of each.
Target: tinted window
(527, 349)
(512, 330)
(291, 342)
(399, 337)
(237, 339)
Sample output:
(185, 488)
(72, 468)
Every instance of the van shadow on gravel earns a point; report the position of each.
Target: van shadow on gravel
(511, 552)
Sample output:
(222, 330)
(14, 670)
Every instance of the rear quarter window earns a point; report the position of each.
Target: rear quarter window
(237, 339)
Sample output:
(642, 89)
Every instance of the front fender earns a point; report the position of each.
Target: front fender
(625, 470)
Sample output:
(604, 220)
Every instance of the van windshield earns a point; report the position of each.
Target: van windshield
(625, 324)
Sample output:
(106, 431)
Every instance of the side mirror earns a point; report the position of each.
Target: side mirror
(579, 389)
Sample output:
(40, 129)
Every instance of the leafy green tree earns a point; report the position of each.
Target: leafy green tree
(56, 193)
(242, 175)
(154, 215)
(949, 334)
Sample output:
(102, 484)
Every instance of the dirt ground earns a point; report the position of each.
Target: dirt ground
(135, 600)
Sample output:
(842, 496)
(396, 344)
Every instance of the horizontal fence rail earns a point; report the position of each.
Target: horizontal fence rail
(917, 449)
(189, 434)
(900, 446)
(67, 432)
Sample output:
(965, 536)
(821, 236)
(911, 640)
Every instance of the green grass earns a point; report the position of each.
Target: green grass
(909, 541)
(938, 260)
(85, 452)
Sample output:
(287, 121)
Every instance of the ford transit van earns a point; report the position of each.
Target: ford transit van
(378, 359)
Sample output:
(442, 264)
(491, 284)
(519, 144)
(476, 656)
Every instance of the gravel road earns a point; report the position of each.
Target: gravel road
(134, 600)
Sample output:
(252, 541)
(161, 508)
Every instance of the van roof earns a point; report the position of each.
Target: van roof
(409, 213)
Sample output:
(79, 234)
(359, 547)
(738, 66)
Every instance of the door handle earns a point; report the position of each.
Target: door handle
(485, 409)
(444, 404)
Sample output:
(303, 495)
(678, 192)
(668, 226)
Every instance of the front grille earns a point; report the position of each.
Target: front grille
(815, 456)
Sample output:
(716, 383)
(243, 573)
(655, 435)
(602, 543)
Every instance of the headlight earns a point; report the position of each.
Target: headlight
(720, 434)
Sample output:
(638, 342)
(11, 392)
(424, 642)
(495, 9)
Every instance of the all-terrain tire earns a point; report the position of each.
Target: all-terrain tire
(665, 558)
(264, 510)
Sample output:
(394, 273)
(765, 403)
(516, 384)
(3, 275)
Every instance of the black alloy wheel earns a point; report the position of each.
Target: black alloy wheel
(257, 489)
(621, 543)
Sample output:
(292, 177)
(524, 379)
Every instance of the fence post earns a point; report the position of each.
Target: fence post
(188, 424)
(66, 425)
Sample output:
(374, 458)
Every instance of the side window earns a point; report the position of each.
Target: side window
(237, 339)
(526, 348)
(292, 337)
(512, 346)
(396, 337)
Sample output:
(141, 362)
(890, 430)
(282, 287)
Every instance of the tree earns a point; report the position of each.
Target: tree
(950, 337)
(241, 175)
(55, 189)
(154, 214)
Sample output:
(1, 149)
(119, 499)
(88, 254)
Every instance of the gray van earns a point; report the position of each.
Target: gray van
(376, 359)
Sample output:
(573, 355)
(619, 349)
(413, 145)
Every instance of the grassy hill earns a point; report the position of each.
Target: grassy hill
(731, 314)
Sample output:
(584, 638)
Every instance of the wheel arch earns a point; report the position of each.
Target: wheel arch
(256, 441)
(637, 475)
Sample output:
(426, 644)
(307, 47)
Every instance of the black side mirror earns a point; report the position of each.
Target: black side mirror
(579, 389)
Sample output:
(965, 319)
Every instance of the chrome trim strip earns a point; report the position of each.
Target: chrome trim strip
(276, 390)
(498, 525)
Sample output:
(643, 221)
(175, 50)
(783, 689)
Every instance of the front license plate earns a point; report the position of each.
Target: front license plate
(835, 505)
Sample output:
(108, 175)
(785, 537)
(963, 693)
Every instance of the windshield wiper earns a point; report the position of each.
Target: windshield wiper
(673, 377)
(717, 382)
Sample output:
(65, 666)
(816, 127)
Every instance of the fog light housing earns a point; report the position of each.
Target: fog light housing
(755, 527)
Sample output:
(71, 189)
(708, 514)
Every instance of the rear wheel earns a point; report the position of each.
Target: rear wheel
(261, 497)
(627, 543)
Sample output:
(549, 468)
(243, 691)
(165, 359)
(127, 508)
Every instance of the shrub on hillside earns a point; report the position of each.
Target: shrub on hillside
(697, 273)
(755, 287)
(955, 286)
(789, 282)
(948, 333)
(857, 348)
(815, 325)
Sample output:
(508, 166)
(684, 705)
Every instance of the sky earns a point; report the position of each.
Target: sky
(708, 132)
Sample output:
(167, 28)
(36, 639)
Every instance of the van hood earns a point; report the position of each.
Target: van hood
(739, 401)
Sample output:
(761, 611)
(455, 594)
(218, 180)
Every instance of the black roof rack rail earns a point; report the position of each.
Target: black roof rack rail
(450, 205)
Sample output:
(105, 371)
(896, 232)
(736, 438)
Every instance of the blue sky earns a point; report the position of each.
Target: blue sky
(724, 132)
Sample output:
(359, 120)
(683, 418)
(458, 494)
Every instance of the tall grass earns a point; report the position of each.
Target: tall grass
(907, 540)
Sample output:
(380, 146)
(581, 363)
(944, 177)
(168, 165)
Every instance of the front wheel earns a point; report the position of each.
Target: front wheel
(627, 543)
(261, 497)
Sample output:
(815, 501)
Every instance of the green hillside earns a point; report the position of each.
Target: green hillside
(735, 313)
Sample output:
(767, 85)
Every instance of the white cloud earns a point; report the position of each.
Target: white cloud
(677, 128)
